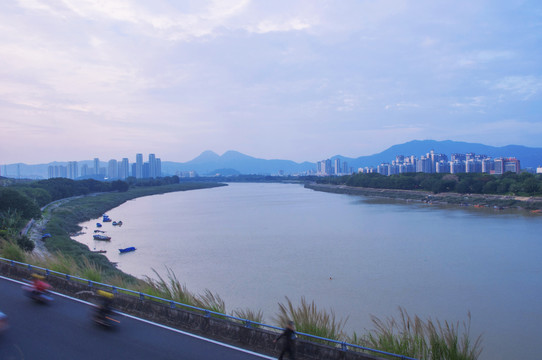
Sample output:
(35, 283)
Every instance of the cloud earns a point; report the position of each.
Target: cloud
(185, 76)
(483, 57)
(525, 87)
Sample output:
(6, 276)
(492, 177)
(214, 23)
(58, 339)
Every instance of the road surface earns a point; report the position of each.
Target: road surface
(64, 330)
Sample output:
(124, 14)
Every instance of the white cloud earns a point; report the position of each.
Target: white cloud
(524, 86)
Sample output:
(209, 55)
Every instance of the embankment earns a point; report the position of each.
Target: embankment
(64, 220)
(227, 331)
(479, 200)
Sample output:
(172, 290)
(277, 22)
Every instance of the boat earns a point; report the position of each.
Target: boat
(99, 231)
(99, 251)
(106, 218)
(98, 225)
(102, 237)
(117, 223)
(128, 249)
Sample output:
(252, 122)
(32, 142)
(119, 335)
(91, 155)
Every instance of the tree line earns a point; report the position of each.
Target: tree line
(525, 184)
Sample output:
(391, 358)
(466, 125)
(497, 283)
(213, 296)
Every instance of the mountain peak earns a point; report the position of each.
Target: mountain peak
(207, 155)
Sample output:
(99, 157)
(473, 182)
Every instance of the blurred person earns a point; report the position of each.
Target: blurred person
(38, 285)
(288, 345)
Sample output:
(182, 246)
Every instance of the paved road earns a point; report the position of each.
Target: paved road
(64, 330)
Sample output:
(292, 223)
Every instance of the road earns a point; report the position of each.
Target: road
(64, 330)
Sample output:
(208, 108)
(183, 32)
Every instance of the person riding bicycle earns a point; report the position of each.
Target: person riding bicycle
(105, 301)
(38, 285)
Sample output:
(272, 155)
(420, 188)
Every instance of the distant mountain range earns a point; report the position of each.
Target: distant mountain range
(529, 157)
(233, 162)
(209, 163)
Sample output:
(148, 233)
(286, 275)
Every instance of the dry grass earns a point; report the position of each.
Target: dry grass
(311, 320)
(414, 337)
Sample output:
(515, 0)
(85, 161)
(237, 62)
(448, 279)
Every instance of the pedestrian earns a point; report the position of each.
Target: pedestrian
(289, 341)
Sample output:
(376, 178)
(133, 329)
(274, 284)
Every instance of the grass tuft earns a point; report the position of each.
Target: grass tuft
(414, 337)
(311, 320)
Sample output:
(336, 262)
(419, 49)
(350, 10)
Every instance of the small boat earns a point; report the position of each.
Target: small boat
(106, 218)
(99, 231)
(117, 223)
(98, 225)
(102, 237)
(128, 249)
(99, 251)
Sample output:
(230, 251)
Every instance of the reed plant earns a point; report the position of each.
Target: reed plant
(249, 314)
(170, 289)
(428, 340)
(210, 301)
(311, 320)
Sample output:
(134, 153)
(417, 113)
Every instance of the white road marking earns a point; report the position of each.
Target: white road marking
(155, 324)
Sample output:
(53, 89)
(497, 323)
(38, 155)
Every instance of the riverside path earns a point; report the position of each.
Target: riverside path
(64, 330)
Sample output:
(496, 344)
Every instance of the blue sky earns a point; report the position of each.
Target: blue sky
(299, 80)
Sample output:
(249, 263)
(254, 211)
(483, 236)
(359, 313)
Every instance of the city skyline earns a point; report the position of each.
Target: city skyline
(294, 80)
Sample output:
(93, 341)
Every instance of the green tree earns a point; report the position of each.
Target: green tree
(14, 200)
(531, 186)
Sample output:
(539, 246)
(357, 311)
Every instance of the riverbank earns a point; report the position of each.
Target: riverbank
(533, 204)
(63, 221)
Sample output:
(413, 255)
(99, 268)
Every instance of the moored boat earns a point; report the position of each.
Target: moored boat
(98, 225)
(101, 237)
(128, 249)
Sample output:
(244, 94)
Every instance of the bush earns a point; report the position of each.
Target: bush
(25, 243)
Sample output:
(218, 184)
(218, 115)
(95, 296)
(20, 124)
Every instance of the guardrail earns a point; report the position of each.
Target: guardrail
(344, 346)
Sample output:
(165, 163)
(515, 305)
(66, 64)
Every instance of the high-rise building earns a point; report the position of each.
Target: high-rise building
(124, 169)
(512, 165)
(72, 170)
(96, 166)
(337, 166)
(139, 166)
(152, 165)
(113, 169)
(158, 165)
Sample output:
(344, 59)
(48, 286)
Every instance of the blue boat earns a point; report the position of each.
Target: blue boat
(106, 218)
(128, 249)
(98, 225)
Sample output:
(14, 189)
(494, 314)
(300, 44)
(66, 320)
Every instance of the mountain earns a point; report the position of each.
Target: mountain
(233, 162)
(209, 162)
(529, 157)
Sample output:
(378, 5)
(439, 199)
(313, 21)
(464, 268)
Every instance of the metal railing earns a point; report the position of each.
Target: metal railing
(344, 346)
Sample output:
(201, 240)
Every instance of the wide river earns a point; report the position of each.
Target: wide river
(254, 244)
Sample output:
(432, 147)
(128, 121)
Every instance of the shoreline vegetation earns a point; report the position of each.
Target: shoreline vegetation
(426, 340)
(499, 202)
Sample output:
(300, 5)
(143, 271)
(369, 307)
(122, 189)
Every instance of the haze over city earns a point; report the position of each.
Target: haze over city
(297, 80)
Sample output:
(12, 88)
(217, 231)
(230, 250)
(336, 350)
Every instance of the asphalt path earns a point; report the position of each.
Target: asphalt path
(63, 329)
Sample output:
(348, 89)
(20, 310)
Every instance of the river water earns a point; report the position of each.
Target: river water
(254, 244)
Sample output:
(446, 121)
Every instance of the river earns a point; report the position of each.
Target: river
(254, 244)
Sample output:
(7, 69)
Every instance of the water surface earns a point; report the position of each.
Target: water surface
(254, 244)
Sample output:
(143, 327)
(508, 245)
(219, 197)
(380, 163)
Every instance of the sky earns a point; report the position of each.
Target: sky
(297, 80)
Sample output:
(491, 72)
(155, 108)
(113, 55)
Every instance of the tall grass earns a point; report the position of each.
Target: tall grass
(249, 314)
(429, 340)
(91, 271)
(172, 289)
(10, 250)
(311, 320)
